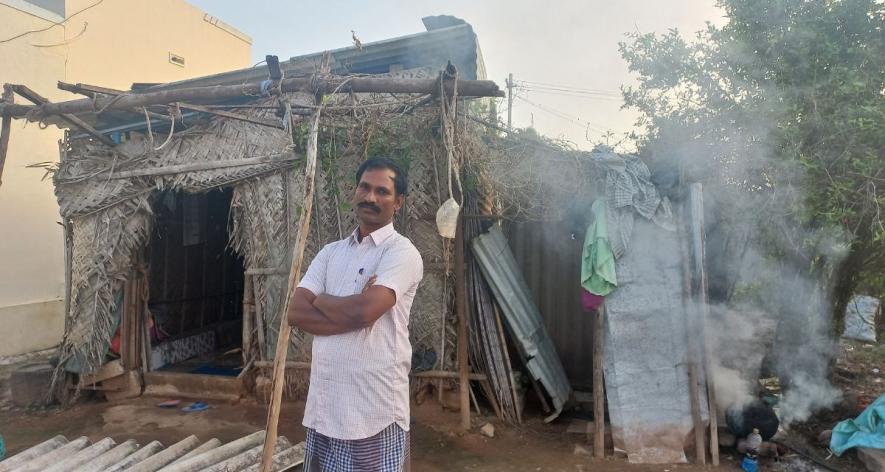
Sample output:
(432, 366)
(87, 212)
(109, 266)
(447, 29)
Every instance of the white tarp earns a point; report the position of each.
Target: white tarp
(860, 318)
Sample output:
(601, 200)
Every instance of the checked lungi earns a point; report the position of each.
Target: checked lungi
(387, 451)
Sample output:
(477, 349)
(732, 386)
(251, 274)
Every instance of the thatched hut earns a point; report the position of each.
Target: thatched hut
(180, 204)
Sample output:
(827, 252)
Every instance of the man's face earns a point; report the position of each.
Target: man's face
(375, 198)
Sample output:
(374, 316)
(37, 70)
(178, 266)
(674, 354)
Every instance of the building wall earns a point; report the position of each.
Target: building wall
(113, 44)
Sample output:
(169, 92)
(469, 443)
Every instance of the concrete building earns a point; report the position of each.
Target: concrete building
(111, 43)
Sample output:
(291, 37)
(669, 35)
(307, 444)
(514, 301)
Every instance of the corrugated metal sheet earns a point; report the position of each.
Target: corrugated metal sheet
(523, 318)
(81, 455)
(549, 255)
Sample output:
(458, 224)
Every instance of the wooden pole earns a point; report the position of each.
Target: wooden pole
(598, 386)
(38, 99)
(696, 200)
(5, 128)
(279, 370)
(691, 348)
(248, 316)
(198, 166)
(259, 320)
(466, 88)
(461, 305)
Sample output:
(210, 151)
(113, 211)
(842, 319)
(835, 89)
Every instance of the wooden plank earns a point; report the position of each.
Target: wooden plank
(110, 370)
(691, 350)
(231, 115)
(266, 271)
(696, 200)
(442, 374)
(598, 386)
(461, 306)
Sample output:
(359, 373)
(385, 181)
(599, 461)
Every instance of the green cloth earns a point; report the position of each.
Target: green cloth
(598, 261)
(867, 430)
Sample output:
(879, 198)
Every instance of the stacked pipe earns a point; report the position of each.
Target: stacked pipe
(488, 349)
(188, 455)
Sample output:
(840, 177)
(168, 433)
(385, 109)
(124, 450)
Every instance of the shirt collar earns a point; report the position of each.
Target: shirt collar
(377, 237)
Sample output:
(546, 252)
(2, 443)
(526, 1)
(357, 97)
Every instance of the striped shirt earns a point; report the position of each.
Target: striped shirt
(359, 381)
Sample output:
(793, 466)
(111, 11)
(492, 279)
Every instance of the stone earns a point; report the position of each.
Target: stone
(824, 437)
(29, 385)
(487, 430)
(582, 451)
(873, 459)
(727, 439)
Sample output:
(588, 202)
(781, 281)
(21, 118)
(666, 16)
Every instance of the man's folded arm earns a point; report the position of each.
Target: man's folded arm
(303, 314)
(356, 311)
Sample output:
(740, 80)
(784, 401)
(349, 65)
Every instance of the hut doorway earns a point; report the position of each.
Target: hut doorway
(195, 287)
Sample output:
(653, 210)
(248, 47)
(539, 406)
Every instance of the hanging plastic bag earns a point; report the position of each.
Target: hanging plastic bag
(447, 218)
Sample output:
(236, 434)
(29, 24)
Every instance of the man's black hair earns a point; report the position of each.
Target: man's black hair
(400, 179)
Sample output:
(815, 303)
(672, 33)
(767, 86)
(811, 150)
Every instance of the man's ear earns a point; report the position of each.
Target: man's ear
(400, 200)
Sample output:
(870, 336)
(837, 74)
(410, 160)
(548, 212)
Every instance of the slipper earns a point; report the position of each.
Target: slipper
(169, 404)
(196, 406)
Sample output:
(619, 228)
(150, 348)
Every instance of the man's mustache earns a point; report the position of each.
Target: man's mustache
(370, 206)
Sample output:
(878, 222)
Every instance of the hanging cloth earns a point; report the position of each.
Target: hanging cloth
(598, 261)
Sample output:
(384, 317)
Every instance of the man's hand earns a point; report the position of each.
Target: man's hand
(369, 283)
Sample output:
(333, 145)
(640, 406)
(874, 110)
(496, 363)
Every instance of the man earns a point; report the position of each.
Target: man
(355, 298)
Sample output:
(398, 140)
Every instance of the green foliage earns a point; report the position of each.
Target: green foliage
(783, 111)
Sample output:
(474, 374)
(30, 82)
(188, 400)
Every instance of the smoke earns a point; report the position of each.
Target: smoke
(769, 266)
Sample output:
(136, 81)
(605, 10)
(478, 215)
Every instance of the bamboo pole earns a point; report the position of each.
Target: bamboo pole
(598, 387)
(279, 371)
(197, 166)
(461, 304)
(466, 88)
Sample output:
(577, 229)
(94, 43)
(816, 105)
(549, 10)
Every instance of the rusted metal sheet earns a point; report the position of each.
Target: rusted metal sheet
(505, 278)
(549, 254)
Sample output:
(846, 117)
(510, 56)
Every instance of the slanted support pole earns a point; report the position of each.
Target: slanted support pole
(279, 362)
(38, 99)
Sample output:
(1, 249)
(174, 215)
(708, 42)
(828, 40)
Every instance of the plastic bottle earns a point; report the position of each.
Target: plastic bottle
(750, 462)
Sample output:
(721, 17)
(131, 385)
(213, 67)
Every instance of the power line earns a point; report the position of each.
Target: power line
(576, 95)
(568, 88)
(563, 116)
(53, 25)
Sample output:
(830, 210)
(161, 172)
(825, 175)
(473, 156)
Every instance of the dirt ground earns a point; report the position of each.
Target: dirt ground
(437, 444)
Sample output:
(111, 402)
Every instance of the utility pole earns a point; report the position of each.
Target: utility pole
(510, 102)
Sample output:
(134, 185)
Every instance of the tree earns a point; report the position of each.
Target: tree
(782, 112)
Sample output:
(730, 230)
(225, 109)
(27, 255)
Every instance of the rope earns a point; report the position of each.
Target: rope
(447, 118)
(171, 129)
(147, 120)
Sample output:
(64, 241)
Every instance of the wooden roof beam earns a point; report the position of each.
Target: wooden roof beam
(466, 88)
(39, 100)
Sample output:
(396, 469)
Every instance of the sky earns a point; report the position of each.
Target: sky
(552, 48)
